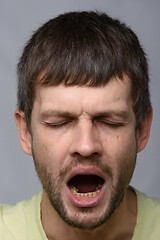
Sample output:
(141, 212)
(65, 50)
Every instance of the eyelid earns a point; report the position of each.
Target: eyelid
(112, 123)
(57, 124)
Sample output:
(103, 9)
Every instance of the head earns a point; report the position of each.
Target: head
(83, 112)
(83, 48)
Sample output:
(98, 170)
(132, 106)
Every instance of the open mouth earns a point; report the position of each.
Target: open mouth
(85, 186)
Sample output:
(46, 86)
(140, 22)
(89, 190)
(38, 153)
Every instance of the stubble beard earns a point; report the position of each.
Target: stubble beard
(52, 187)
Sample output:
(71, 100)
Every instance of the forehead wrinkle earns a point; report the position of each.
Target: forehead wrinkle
(84, 100)
(107, 110)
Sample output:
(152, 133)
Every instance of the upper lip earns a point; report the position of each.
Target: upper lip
(81, 170)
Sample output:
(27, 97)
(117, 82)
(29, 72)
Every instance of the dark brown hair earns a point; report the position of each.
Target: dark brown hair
(83, 48)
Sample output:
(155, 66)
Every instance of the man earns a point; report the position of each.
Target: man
(84, 113)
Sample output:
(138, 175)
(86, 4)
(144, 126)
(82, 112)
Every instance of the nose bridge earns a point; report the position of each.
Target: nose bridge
(86, 142)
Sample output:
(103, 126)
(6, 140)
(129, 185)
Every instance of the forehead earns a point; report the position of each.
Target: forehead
(115, 94)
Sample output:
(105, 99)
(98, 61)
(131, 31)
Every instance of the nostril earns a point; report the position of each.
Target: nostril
(92, 156)
(87, 151)
(95, 153)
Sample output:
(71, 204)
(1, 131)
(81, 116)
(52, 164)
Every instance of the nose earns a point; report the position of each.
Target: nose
(85, 141)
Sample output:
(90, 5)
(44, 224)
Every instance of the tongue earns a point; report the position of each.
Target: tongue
(86, 183)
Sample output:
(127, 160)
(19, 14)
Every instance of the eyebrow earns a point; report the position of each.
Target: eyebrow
(56, 113)
(110, 113)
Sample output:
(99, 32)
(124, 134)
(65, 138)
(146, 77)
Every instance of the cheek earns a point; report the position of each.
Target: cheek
(126, 145)
(119, 148)
(49, 150)
(123, 160)
(119, 142)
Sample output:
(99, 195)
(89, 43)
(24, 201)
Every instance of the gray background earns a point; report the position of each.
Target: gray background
(18, 19)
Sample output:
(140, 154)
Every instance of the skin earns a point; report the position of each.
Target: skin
(70, 128)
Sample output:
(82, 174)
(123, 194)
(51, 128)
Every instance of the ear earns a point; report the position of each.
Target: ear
(143, 130)
(23, 132)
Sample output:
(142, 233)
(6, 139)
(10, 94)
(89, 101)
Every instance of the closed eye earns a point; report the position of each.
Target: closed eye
(57, 124)
(111, 124)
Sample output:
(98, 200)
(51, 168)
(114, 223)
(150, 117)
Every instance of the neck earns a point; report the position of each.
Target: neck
(123, 221)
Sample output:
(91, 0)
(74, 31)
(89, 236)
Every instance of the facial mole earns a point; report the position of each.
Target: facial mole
(45, 148)
(117, 137)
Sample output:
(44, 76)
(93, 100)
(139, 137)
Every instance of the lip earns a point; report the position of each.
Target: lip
(86, 171)
(88, 201)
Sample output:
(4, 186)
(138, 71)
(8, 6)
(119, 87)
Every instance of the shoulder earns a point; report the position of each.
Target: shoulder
(8, 212)
(16, 221)
(147, 205)
(148, 218)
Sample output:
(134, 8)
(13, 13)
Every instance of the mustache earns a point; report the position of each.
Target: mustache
(86, 161)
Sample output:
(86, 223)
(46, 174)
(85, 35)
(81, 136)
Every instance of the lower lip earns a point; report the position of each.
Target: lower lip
(86, 202)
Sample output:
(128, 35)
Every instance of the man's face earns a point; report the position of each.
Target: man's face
(84, 149)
